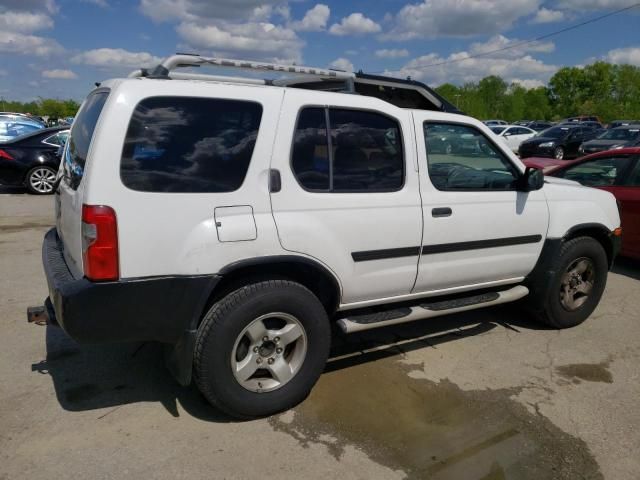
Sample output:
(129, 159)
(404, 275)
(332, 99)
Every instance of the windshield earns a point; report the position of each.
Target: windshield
(497, 130)
(620, 134)
(555, 132)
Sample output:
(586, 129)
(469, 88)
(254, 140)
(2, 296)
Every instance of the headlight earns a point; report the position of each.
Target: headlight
(546, 144)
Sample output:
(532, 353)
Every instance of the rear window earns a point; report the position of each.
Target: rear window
(189, 145)
(80, 137)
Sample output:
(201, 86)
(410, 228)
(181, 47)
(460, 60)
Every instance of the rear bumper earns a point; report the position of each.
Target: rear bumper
(145, 309)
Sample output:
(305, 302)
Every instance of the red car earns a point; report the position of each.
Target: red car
(618, 172)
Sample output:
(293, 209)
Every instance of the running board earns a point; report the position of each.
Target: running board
(396, 316)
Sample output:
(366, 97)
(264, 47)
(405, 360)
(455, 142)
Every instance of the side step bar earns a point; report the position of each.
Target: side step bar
(396, 316)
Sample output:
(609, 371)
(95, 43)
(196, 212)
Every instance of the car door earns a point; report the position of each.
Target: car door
(574, 140)
(349, 192)
(479, 230)
(620, 175)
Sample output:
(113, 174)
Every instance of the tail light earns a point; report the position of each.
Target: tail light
(100, 243)
(5, 155)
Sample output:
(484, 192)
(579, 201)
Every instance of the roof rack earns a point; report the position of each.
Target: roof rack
(403, 93)
(166, 70)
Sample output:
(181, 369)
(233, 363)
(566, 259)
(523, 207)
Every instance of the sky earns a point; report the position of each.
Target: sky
(59, 48)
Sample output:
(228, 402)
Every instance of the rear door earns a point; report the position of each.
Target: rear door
(350, 196)
(628, 194)
(68, 198)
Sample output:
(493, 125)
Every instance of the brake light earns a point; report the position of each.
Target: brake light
(100, 243)
(5, 155)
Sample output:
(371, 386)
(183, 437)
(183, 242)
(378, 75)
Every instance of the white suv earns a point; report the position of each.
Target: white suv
(236, 220)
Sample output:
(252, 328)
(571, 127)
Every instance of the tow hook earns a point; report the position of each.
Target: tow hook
(38, 315)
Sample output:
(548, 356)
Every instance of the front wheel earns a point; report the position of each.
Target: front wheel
(558, 153)
(578, 284)
(260, 349)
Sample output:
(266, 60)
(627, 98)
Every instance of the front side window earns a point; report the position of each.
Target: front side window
(189, 145)
(362, 151)
(603, 172)
(460, 157)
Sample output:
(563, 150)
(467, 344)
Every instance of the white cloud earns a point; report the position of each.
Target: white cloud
(528, 83)
(21, 44)
(525, 69)
(629, 55)
(116, 58)
(342, 64)
(355, 24)
(459, 18)
(263, 40)
(392, 53)
(24, 22)
(203, 10)
(510, 47)
(60, 74)
(544, 15)
(315, 20)
(581, 5)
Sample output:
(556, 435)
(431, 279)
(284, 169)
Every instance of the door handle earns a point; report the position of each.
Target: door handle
(441, 212)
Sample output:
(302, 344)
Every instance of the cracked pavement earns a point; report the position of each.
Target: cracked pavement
(485, 394)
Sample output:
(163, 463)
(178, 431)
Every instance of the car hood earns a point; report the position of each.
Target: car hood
(539, 140)
(560, 181)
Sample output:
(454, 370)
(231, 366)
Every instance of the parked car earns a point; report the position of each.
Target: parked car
(612, 139)
(239, 240)
(539, 125)
(449, 139)
(618, 172)
(513, 135)
(31, 159)
(494, 122)
(522, 123)
(584, 118)
(11, 128)
(559, 142)
(623, 123)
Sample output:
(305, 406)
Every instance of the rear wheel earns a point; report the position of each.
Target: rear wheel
(577, 286)
(41, 180)
(260, 349)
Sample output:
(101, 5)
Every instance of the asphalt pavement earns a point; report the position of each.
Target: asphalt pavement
(482, 395)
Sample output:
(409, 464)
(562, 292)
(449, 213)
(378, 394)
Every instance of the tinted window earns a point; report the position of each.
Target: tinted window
(556, 132)
(464, 159)
(602, 172)
(80, 137)
(362, 153)
(310, 157)
(194, 145)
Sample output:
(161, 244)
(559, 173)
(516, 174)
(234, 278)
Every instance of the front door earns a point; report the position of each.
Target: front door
(478, 229)
(349, 192)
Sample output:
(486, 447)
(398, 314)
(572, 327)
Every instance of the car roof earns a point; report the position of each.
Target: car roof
(43, 131)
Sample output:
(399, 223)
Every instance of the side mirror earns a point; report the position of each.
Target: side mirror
(531, 180)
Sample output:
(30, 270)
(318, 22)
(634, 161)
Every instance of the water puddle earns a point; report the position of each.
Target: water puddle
(589, 372)
(434, 430)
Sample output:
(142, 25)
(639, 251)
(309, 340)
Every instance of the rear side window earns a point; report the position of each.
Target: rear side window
(80, 137)
(189, 145)
(362, 152)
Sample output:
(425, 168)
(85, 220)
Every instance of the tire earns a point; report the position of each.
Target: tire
(40, 180)
(561, 309)
(558, 153)
(223, 340)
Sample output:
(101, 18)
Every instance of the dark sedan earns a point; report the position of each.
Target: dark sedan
(615, 138)
(539, 125)
(31, 159)
(557, 142)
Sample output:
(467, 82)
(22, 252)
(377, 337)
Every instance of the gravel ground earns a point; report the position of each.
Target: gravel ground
(484, 395)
